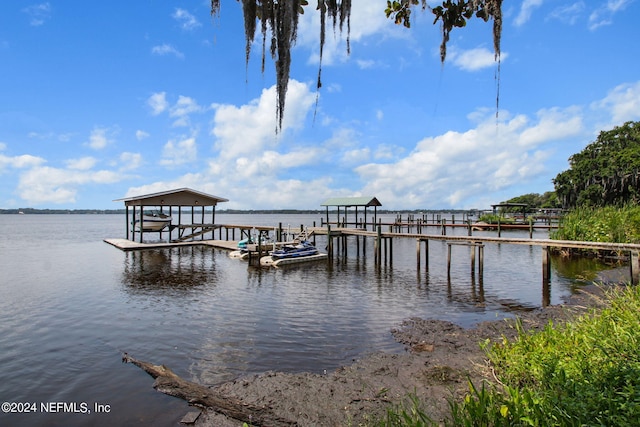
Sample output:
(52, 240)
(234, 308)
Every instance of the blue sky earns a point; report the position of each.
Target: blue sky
(103, 100)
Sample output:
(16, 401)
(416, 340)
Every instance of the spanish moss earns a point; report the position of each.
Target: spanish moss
(279, 19)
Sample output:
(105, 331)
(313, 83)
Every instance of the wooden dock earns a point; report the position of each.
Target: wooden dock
(383, 244)
(129, 245)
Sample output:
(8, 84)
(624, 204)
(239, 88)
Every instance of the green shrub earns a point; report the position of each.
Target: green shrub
(494, 219)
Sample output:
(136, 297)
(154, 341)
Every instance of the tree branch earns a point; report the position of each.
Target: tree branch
(167, 382)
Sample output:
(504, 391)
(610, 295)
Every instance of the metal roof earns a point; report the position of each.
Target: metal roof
(178, 197)
(352, 201)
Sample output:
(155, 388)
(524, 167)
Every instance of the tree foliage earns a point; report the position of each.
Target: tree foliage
(537, 201)
(605, 173)
(279, 19)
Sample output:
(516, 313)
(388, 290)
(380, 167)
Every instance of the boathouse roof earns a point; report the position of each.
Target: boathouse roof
(177, 197)
(351, 201)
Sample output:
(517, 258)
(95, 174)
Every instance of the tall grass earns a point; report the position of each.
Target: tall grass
(582, 373)
(607, 224)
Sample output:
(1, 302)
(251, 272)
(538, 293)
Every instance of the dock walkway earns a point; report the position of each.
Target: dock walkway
(387, 238)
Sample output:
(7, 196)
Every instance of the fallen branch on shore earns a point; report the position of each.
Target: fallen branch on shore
(167, 382)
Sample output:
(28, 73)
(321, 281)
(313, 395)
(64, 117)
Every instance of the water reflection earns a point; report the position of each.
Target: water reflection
(177, 270)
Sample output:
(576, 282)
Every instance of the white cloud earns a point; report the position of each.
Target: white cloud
(18, 162)
(167, 49)
(175, 153)
(622, 103)
(473, 59)
(182, 109)
(83, 163)
(367, 19)
(605, 13)
(101, 137)
(526, 10)
(38, 13)
(249, 129)
(554, 123)
(53, 185)
(458, 169)
(140, 135)
(130, 161)
(158, 103)
(186, 20)
(356, 156)
(568, 14)
(444, 170)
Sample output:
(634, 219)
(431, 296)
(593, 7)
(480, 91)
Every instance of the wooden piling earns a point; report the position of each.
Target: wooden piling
(473, 246)
(634, 264)
(546, 264)
(378, 246)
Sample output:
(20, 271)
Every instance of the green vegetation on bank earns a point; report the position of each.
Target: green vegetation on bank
(606, 224)
(495, 219)
(584, 372)
(535, 201)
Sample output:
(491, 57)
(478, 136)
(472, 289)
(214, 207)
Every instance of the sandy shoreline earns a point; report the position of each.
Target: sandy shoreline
(440, 357)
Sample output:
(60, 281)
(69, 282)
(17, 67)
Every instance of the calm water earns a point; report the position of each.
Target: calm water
(70, 304)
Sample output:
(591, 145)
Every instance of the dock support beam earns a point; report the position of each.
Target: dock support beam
(426, 253)
(634, 263)
(546, 265)
(473, 246)
(378, 246)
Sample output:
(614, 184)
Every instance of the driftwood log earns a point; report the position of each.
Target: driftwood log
(167, 382)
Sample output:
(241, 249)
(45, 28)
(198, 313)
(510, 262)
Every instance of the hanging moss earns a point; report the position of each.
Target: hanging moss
(280, 19)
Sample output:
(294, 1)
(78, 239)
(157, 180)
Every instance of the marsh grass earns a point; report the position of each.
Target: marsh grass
(607, 224)
(582, 373)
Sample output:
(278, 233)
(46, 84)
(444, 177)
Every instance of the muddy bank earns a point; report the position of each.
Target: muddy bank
(440, 357)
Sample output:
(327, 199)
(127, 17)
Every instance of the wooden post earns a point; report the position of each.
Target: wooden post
(378, 246)
(546, 265)
(473, 260)
(202, 221)
(426, 254)
(499, 228)
(634, 263)
(330, 240)
(481, 261)
(126, 215)
(384, 241)
(444, 227)
(448, 260)
(141, 232)
(530, 228)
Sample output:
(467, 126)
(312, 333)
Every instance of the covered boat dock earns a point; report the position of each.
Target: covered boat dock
(353, 202)
(168, 201)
